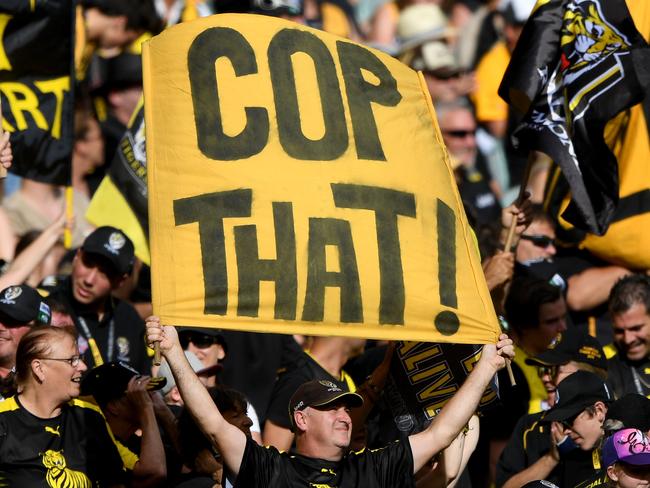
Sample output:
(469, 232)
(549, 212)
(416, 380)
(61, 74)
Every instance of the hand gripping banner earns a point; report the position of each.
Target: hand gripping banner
(298, 183)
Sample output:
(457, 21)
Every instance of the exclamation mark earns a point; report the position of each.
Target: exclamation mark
(447, 321)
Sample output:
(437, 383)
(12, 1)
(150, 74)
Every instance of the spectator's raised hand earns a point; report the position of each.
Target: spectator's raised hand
(498, 269)
(495, 355)
(521, 210)
(138, 395)
(6, 155)
(165, 335)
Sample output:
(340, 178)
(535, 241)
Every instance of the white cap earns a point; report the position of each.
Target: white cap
(516, 10)
(421, 23)
(166, 372)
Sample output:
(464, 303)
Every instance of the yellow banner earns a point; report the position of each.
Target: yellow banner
(298, 184)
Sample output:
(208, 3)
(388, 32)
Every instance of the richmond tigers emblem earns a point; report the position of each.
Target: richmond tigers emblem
(591, 51)
(59, 476)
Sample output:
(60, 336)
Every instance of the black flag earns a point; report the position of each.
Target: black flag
(578, 63)
(36, 86)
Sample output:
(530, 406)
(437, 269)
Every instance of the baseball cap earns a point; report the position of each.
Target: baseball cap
(422, 23)
(318, 393)
(21, 304)
(539, 484)
(110, 381)
(113, 245)
(575, 393)
(196, 364)
(630, 446)
(633, 410)
(574, 345)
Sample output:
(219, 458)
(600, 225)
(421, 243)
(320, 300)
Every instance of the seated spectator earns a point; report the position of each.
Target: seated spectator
(536, 313)
(51, 438)
(424, 34)
(531, 452)
(626, 457)
(110, 329)
(199, 456)
(475, 184)
(581, 409)
(21, 307)
(123, 396)
(209, 346)
(629, 307)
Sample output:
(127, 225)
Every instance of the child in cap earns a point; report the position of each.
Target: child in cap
(626, 456)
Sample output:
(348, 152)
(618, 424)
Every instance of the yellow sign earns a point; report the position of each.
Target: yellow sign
(298, 184)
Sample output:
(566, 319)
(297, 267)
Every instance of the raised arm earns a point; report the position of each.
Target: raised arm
(228, 439)
(456, 413)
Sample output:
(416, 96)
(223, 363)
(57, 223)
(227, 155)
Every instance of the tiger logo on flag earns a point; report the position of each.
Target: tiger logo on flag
(591, 48)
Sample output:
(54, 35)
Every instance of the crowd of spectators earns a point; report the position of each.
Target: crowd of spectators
(84, 406)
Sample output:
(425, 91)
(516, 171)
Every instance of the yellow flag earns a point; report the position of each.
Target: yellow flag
(298, 184)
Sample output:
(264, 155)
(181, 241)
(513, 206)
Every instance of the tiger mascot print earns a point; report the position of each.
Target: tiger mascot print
(59, 476)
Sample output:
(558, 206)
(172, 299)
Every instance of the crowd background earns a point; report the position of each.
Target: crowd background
(567, 310)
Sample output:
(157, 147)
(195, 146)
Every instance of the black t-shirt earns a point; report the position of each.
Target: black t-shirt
(625, 376)
(306, 369)
(599, 479)
(72, 449)
(389, 467)
(120, 325)
(530, 441)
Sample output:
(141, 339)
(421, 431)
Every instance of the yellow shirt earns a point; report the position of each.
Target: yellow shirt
(490, 70)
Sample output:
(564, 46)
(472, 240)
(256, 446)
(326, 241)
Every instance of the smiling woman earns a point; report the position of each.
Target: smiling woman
(50, 435)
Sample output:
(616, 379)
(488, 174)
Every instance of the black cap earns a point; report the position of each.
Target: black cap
(574, 345)
(575, 393)
(21, 304)
(318, 393)
(113, 245)
(539, 484)
(633, 410)
(110, 381)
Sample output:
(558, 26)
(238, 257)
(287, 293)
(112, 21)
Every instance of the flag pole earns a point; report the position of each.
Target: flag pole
(3, 170)
(69, 215)
(511, 232)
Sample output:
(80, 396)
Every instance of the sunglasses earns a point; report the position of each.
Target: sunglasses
(568, 423)
(202, 341)
(539, 241)
(460, 134)
(547, 370)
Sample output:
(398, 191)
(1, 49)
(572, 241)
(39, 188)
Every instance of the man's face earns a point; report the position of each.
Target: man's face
(551, 322)
(92, 279)
(115, 33)
(632, 332)
(239, 419)
(532, 244)
(585, 430)
(330, 426)
(458, 129)
(10, 336)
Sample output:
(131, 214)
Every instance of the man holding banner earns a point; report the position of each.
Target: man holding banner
(323, 428)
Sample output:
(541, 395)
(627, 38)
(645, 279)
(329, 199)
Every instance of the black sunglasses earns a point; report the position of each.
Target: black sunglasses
(202, 341)
(539, 241)
(460, 134)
